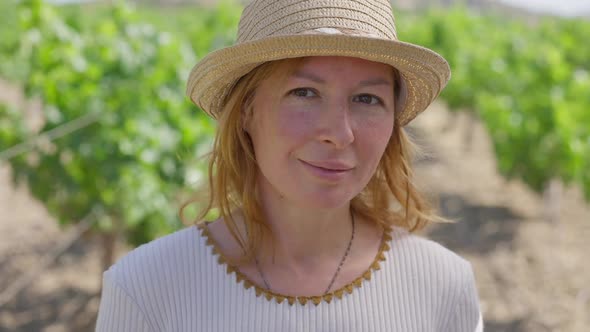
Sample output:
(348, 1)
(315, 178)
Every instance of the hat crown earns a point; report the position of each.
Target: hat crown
(267, 18)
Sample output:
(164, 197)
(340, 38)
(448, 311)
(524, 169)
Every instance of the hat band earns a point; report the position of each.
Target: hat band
(347, 32)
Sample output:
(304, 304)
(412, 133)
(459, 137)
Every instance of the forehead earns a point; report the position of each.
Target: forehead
(330, 67)
(343, 64)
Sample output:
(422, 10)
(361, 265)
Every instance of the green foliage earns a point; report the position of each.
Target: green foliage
(205, 28)
(528, 82)
(130, 164)
(12, 127)
(9, 37)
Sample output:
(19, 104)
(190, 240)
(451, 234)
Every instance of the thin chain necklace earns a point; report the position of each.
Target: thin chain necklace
(266, 284)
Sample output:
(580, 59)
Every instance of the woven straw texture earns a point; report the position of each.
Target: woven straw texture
(279, 29)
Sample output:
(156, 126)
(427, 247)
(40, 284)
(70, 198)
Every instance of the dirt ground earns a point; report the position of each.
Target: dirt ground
(530, 272)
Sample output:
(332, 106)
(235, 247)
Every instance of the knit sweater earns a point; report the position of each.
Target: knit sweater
(181, 282)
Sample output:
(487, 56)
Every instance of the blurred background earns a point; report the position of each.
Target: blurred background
(99, 147)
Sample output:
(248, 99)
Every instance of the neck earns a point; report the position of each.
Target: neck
(305, 238)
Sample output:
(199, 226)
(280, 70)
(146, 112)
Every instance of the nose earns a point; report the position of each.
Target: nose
(336, 127)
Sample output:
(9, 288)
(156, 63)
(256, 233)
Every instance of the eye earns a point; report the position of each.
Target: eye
(368, 99)
(303, 92)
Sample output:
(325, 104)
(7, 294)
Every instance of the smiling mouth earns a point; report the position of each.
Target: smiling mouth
(329, 167)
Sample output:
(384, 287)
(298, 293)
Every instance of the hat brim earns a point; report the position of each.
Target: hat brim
(424, 72)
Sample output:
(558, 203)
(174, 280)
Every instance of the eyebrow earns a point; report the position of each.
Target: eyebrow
(365, 83)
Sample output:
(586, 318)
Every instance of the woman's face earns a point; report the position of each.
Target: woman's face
(319, 135)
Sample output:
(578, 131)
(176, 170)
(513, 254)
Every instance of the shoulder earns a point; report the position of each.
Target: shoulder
(159, 250)
(140, 287)
(426, 253)
(155, 263)
(443, 271)
(445, 278)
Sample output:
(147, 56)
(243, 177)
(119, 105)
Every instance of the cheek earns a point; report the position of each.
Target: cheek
(295, 126)
(373, 135)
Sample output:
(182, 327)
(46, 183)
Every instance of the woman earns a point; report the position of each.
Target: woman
(311, 176)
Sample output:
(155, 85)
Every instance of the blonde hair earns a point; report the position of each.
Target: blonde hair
(233, 171)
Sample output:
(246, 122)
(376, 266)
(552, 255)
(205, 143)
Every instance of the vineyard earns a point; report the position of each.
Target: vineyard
(119, 146)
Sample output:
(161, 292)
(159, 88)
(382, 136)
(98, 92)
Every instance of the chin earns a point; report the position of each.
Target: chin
(324, 200)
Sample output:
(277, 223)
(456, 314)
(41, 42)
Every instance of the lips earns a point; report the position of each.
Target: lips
(328, 171)
(336, 166)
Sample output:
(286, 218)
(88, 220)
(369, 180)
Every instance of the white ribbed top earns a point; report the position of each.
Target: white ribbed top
(176, 283)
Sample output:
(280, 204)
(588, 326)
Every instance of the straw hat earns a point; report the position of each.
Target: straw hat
(278, 29)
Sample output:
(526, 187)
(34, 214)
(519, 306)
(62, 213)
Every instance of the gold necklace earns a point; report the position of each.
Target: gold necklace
(266, 284)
